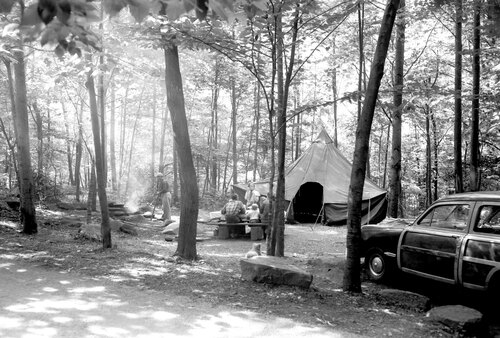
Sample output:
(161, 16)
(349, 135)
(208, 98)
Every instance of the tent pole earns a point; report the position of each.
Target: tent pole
(319, 215)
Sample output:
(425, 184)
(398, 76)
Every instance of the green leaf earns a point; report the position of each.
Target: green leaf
(113, 7)
(175, 8)
(59, 51)
(30, 17)
(139, 9)
(6, 6)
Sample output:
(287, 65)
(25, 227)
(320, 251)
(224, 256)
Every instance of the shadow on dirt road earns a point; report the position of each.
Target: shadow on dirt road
(40, 302)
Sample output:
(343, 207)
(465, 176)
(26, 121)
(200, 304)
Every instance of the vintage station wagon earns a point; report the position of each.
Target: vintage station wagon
(455, 241)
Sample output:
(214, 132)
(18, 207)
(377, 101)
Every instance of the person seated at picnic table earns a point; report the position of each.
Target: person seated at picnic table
(234, 210)
(253, 215)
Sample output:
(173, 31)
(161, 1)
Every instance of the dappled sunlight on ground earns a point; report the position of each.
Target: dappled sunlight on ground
(9, 224)
(79, 307)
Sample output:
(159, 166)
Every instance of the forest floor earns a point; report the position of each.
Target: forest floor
(146, 262)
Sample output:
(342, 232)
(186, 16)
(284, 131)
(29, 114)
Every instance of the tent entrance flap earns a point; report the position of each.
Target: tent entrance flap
(308, 203)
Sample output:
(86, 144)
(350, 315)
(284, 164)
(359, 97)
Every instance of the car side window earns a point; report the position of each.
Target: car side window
(451, 216)
(488, 219)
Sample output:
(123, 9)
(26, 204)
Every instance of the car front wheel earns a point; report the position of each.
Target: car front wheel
(376, 265)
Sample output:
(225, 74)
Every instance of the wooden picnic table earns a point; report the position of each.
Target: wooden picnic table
(256, 229)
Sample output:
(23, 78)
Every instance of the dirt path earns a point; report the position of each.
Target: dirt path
(138, 281)
(40, 302)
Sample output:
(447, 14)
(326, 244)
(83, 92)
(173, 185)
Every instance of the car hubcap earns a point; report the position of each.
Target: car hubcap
(377, 265)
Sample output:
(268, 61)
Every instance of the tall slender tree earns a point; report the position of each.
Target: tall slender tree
(476, 75)
(99, 165)
(352, 279)
(27, 208)
(395, 171)
(457, 140)
(186, 247)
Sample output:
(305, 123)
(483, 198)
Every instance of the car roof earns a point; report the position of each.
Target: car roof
(472, 196)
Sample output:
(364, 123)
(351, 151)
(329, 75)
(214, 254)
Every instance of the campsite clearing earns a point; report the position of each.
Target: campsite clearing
(317, 186)
(146, 262)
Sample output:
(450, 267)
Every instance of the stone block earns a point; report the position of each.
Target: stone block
(274, 270)
(91, 232)
(457, 317)
(128, 229)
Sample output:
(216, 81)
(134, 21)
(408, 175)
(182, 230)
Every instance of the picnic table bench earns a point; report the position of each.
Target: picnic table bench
(256, 229)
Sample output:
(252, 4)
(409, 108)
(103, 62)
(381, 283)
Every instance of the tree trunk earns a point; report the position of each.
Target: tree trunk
(361, 60)
(234, 110)
(212, 142)
(69, 155)
(335, 94)
(78, 155)
(39, 138)
(13, 114)
(123, 124)
(175, 193)
(27, 208)
(161, 164)
(352, 280)
(476, 73)
(436, 144)
(99, 165)
(278, 231)
(395, 171)
(102, 101)
(91, 199)
(457, 140)
(153, 140)
(112, 154)
(257, 130)
(428, 159)
(186, 247)
(386, 155)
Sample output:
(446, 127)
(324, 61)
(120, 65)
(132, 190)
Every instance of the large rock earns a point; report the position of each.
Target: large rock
(91, 232)
(128, 229)
(172, 229)
(403, 299)
(274, 270)
(457, 317)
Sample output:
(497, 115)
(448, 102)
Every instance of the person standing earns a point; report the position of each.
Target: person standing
(252, 196)
(163, 191)
(265, 215)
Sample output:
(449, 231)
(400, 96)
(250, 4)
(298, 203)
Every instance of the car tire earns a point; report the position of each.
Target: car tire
(376, 265)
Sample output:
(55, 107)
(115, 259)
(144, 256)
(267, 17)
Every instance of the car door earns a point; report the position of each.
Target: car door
(431, 246)
(480, 255)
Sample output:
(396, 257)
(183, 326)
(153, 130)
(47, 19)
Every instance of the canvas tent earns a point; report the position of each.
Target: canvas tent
(317, 186)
